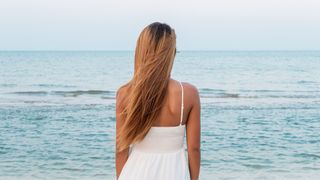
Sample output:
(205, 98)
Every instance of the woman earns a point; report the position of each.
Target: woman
(153, 111)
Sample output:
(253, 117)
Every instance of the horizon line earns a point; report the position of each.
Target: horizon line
(186, 50)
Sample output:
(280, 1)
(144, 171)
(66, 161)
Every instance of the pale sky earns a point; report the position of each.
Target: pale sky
(199, 24)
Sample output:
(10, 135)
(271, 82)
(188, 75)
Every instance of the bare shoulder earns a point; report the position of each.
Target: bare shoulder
(191, 95)
(120, 91)
(191, 90)
(120, 94)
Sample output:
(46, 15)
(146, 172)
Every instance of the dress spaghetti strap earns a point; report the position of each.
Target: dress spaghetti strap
(182, 105)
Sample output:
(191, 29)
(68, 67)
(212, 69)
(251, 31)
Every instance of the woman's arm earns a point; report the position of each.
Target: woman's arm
(193, 135)
(121, 157)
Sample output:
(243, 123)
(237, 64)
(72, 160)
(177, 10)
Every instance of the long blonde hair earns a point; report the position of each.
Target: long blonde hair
(154, 55)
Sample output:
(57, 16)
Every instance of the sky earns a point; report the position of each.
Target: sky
(199, 24)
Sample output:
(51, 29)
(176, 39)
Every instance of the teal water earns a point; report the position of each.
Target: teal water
(260, 113)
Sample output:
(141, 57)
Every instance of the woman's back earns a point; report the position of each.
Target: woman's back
(161, 151)
(170, 113)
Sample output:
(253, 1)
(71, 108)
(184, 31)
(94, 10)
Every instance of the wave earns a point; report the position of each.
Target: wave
(8, 85)
(228, 95)
(82, 92)
(75, 93)
(31, 93)
(306, 82)
(53, 85)
(220, 93)
(204, 93)
(308, 155)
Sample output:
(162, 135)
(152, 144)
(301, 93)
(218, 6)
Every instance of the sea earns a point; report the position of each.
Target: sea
(260, 112)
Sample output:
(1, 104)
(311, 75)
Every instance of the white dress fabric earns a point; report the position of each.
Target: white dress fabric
(159, 156)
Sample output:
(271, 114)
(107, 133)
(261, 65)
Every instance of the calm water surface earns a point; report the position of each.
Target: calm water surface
(260, 113)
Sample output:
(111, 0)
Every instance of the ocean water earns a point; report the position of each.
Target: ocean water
(260, 112)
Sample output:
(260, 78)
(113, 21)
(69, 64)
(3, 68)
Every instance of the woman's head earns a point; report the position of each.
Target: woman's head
(156, 46)
(154, 56)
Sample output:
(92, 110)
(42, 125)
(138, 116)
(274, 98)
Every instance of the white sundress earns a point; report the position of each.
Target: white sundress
(160, 155)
